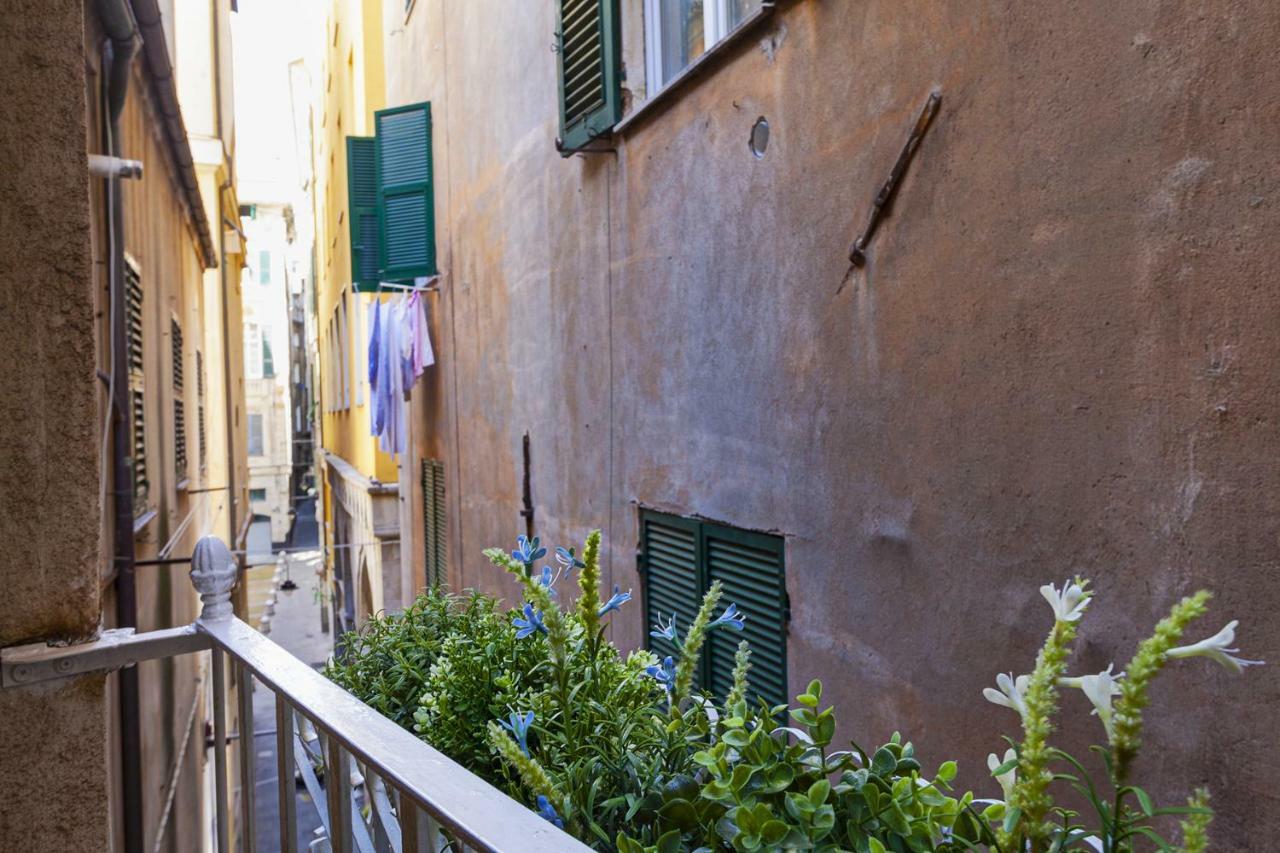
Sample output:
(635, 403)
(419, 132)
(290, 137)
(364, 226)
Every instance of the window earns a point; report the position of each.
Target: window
(589, 71)
(264, 267)
(252, 351)
(679, 31)
(257, 494)
(137, 384)
(255, 435)
(268, 360)
(179, 404)
(681, 557)
(435, 531)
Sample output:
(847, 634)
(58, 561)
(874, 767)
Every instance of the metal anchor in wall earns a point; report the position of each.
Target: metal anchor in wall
(884, 198)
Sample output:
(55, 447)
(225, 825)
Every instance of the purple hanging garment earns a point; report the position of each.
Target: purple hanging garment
(375, 343)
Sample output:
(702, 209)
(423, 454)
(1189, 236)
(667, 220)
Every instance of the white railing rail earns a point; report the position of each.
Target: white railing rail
(408, 797)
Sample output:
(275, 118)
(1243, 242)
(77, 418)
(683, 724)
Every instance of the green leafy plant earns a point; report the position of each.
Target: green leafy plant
(625, 753)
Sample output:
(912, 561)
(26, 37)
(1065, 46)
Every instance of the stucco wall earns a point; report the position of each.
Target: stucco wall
(48, 435)
(1059, 359)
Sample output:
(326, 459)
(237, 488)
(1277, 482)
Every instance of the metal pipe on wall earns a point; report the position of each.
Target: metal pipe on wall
(117, 56)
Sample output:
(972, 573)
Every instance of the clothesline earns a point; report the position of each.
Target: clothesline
(400, 350)
(420, 285)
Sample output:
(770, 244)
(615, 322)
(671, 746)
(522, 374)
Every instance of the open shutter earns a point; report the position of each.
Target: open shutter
(750, 567)
(669, 558)
(362, 210)
(406, 208)
(589, 71)
(433, 522)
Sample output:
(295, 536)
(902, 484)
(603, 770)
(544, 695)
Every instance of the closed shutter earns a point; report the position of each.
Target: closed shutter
(200, 431)
(589, 70)
(750, 567)
(434, 526)
(362, 210)
(179, 405)
(138, 419)
(669, 548)
(406, 209)
(137, 385)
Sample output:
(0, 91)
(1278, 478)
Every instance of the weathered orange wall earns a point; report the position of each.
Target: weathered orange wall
(1060, 358)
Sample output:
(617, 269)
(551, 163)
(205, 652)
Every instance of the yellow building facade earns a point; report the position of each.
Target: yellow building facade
(358, 481)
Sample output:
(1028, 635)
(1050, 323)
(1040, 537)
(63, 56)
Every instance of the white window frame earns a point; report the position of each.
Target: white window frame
(253, 351)
(715, 26)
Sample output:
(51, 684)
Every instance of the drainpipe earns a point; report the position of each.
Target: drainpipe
(117, 55)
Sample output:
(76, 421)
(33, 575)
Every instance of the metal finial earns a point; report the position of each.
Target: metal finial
(213, 573)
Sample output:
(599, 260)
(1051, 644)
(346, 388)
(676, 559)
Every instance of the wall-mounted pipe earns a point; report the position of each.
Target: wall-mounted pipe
(117, 57)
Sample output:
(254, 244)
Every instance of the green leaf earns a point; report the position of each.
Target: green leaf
(883, 762)
(773, 832)
(819, 791)
(1011, 818)
(669, 842)
(947, 771)
(1145, 801)
(1004, 768)
(874, 846)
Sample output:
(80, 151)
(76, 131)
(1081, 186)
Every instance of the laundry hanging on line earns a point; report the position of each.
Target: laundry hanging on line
(399, 352)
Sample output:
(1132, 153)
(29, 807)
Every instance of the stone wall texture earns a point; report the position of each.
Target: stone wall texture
(1060, 358)
(53, 739)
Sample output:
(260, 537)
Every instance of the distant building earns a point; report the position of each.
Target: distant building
(268, 228)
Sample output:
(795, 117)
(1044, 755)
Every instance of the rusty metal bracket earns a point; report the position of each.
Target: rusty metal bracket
(884, 199)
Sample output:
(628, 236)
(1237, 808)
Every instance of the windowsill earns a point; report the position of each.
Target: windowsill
(140, 522)
(658, 101)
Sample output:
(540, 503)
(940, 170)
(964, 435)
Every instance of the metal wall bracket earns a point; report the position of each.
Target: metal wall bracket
(114, 649)
(884, 198)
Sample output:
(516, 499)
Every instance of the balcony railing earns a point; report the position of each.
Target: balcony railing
(406, 796)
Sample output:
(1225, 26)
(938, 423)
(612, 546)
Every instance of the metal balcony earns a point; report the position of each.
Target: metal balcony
(377, 787)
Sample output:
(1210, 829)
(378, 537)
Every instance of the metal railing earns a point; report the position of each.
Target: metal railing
(402, 796)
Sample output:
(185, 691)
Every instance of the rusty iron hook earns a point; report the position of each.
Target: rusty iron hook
(879, 207)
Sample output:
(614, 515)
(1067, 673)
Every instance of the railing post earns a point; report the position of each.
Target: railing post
(220, 750)
(213, 574)
(337, 786)
(248, 759)
(285, 771)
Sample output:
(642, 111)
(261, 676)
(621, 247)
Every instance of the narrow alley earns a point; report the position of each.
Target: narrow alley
(639, 425)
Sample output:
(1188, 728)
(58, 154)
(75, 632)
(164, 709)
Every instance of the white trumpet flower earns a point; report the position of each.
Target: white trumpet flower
(1217, 648)
(1012, 692)
(1008, 778)
(1069, 604)
(1099, 689)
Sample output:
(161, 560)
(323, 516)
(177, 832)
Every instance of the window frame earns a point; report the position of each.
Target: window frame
(657, 94)
(262, 434)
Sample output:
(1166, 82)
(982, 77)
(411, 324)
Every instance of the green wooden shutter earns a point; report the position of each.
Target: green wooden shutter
(406, 207)
(750, 567)
(434, 526)
(362, 211)
(673, 584)
(589, 69)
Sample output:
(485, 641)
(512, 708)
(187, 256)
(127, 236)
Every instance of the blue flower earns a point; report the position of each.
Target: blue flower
(531, 622)
(665, 674)
(730, 618)
(547, 812)
(548, 579)
(519, 726)
(527, 550)
(615, 601)
(667, 632)
(567, 558)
